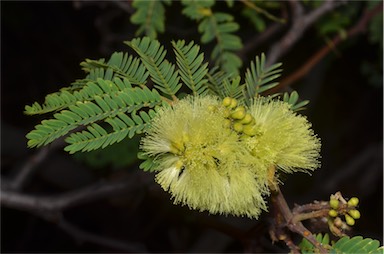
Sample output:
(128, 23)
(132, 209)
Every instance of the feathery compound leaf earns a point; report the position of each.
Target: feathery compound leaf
(122, 65)
(216, 79)
(292, 99)
(162, 73)
(87, 112)
(233, 89)
(219, 26)
(197, 9)
(356, 245)
(150, 16)
(64, 98)
(258, 78)
(96, 137)
(192, 71)
(307, 247)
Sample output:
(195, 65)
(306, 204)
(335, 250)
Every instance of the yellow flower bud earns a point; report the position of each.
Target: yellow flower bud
(233, 103)
(353, 201)
(355, 214)
(334, 203)
(227, 101)
(250, 130)
(239, 113)
(238, 127)
(247, 119)
(332, 213)
(350, 221)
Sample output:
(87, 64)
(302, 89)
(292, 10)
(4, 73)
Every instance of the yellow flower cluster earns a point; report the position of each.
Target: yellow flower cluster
(216, 156)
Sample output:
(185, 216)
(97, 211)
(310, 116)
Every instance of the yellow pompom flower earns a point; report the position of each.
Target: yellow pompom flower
(209, 165)
(202, 162)
(285, 138)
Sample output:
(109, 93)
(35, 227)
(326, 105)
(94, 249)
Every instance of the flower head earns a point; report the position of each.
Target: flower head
(216, 156)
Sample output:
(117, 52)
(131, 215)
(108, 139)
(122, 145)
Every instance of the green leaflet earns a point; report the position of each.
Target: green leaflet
(258, 77)
(119, 68)
(122, 65)
(191, 68)
(96, 137)
(217, 26)
(66, 98)
(293, 99)
(150, 16)
(87, 112)
(162, 72)
(356, 244)
(113, 101)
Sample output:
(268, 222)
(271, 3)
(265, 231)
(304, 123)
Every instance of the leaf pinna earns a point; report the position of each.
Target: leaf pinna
(114, 102)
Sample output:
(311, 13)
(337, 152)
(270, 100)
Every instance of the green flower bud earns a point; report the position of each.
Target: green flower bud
(353, 202)
(227, 101)
(334, 203)
(239, 113)
(238, 127)
(332, 213)
(350, 221)
(250, 130)
(233, 103)
(355, 214)
(247, 119)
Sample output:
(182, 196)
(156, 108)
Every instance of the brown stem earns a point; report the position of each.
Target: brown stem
(294, 226)
(300, 23)
(358, 28)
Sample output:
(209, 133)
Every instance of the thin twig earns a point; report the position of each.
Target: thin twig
(253, 6)
(300, 23)
(294, 226)
(357, 29)
(83, 236)
(58, 203)
(29, 167)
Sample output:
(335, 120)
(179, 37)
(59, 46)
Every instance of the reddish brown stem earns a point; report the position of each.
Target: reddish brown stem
(358, 28)
(293, 225)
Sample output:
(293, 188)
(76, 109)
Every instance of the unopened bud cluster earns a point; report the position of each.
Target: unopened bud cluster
(342, 208)
(238, 118)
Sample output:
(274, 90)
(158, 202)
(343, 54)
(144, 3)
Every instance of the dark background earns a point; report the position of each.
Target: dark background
(42, 44)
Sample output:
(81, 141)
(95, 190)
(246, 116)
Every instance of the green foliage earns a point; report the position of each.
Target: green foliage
(258, 77)
(293, 100)
(83, 112)
(344, 245)
(148, 163)
(307, 247)
(96, 137)
(192, 70)
(162, 72)
(113, 102)
(116, 156)
(218, 26)
(121, 65)
(257, 21)
(336, 22)
(356, 244)
(150, 16)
